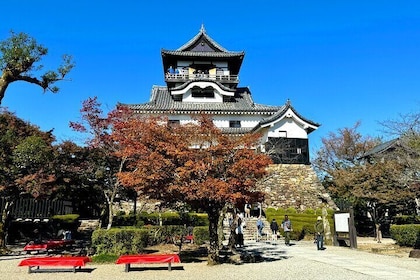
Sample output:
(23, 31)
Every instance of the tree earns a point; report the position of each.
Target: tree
(77, 178)
(352, 172)
(406, 133)
(19, 58)
(23, 148)
(107, 164)
(194, 164)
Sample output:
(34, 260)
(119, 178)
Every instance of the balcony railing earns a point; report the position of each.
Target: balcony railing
(214, 77)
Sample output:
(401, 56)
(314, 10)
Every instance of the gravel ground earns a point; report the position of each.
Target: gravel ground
(300, 261)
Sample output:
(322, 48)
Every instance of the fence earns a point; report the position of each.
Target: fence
(36, 209)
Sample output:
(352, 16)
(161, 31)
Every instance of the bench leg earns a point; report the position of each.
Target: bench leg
(169, 266)
(127, 267)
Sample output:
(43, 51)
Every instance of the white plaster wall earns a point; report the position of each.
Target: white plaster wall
(293, 129)
(246, 121)
(187, 97)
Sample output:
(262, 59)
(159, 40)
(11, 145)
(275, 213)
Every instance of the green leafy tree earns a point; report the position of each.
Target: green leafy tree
(20, 57)
(77, 178)
(24, 148)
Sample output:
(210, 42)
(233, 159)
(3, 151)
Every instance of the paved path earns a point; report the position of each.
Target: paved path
(369, 264)
(299, 261)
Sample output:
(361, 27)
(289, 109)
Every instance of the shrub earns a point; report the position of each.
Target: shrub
(405, 235)
(173, 218)
(122, 220)
(119, 241)
(201, 235)
(406, 219)
(68, 218)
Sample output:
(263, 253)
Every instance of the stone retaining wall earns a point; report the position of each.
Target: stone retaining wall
(294, 185)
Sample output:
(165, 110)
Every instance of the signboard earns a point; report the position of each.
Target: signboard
(341, 221)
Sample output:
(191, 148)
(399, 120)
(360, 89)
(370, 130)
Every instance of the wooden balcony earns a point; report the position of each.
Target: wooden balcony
(182, 78)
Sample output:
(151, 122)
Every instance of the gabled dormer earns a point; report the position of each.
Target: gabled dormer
(200, 65)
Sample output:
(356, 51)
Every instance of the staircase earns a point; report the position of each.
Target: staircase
(250, 230)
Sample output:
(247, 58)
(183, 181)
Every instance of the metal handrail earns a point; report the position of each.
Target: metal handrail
(186, 77)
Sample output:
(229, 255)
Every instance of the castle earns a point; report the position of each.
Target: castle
(202, 77)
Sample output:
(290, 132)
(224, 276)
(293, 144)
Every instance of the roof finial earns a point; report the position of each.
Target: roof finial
(288, 103)
(202, 29)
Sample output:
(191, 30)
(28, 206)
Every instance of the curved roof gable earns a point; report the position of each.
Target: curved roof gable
(280, 114)
(204, 46)
(202, 42)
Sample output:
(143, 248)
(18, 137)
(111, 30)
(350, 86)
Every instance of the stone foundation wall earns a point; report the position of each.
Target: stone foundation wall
(286, 185)
(294, 185)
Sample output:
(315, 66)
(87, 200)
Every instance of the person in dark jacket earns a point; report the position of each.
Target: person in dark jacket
(319, 232)
(274, 226)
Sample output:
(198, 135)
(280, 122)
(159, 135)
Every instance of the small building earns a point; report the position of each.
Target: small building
(202, 77)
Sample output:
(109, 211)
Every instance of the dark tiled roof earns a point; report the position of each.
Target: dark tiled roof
(281, 112)
(162, 102)
(203, 54)
(196, 38)
(210, 49)
(382, 147)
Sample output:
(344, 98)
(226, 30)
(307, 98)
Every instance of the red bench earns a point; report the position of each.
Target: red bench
(148, 259)
(74, 262)
(48, 245)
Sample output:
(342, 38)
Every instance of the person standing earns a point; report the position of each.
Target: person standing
(247, 210)
(274, 228)
(319, 231)
(239, 233)
(286, 225)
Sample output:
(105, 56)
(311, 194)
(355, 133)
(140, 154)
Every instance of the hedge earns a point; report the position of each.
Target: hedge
(168, 218)
(302, 222)
(130, 240)
(405, 235)
(119, 241)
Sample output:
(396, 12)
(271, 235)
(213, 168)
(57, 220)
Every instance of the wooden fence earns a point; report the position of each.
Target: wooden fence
(36, 209)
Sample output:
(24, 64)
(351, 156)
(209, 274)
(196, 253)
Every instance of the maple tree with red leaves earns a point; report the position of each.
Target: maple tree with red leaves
(195, 164)
(101, 143)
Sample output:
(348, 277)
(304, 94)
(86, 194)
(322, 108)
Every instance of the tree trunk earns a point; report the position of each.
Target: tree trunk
(220, 225)
(3, 87)
(214, 215)
(3, 224)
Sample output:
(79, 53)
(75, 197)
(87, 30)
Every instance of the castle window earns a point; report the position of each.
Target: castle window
(207, 92)
(234, 123)
(173, 123)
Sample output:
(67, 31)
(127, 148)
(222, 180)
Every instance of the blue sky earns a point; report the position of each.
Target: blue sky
(337, 61)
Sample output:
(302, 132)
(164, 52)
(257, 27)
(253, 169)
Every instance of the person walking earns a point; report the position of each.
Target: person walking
(319, 231)
(260, 226)
(286, 225)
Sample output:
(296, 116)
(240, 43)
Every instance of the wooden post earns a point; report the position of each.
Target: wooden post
(352, 230)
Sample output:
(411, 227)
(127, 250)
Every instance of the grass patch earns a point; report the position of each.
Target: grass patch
(104, 258)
